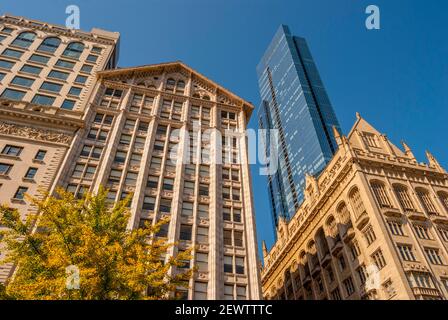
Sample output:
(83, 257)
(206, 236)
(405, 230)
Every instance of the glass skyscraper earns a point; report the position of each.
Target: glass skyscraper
(295, 102)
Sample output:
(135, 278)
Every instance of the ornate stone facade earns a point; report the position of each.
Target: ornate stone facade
(143, 133)
(47, 75)
(374, 225)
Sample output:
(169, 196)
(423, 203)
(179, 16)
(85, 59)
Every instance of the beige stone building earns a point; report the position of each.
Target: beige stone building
(154, 131)
(374, 225)
(47, 76)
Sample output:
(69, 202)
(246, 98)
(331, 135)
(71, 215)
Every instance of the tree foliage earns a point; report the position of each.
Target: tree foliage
(88, 235)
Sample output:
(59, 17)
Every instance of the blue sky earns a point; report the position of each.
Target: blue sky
(396, 77)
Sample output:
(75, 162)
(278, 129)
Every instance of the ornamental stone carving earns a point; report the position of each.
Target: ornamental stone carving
(34, 133)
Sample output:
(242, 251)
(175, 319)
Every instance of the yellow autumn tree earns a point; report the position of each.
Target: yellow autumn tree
(82, 249)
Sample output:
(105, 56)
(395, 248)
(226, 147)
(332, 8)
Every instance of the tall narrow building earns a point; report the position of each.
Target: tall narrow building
(47, 76)
(155, 131)
(295, 103)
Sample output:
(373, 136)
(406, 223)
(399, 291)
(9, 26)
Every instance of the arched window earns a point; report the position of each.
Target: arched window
(381, 194)
(355, 199)
(25, 39)
(205, 97)
(50, 44)
(343, 213)
(443, 196)
(426, 201)
(180, 86)
(196, 95)
(403, 197)
(74, 50)
(170, 83)
(331, 226)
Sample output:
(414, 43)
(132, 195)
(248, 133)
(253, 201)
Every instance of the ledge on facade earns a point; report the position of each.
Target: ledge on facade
(418, 291)
(392, 212)
(362, 220)
(19, 201)
(415, 215)
(439, 219)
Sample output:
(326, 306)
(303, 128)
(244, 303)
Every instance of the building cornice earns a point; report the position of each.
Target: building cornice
(71, 120)
(102, 38)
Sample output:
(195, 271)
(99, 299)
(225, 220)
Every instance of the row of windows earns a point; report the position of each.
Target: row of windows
(5, 169)
(73, 50)
(15, 151)
(404, 198)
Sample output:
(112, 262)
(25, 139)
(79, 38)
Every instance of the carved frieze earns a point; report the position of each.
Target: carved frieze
(34, 133)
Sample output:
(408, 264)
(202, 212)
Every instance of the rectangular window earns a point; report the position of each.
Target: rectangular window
(239, 265)
(148, 203)
(21, 81)
(395, 228)
(406, 252)
(228, 292)
(369, 235)
(165, 206)
(187, 209)
(203, 210)
(203, 190)
(131, 179)
(31, 69)
(75, 91)
(11, 150)
(378, 259)
(156, 163)
(200, 291)
(31, 173)
(68, 104)
(349, 287)
(13, 94)
(7, 65)
(226, 214)
(422, 232)
(5, 169)
(227, 237)
(228, 264)
(115, 176)
(153, 182)
(65, 64)
(188, 187)
(40, 155)
(50, 86)
(58, 75)
(20, 193)
(39, 59)
(185, 232)
(12, 53)
(120, 157)
(125, 139)
(136, 159)
(86, 68)
(238, 238)
(43, 100)
(168, 184)
(434, 256)
(202, 235)
(81, 79)
(202, 261)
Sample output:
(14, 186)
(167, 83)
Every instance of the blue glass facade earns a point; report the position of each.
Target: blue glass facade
(295, 102)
